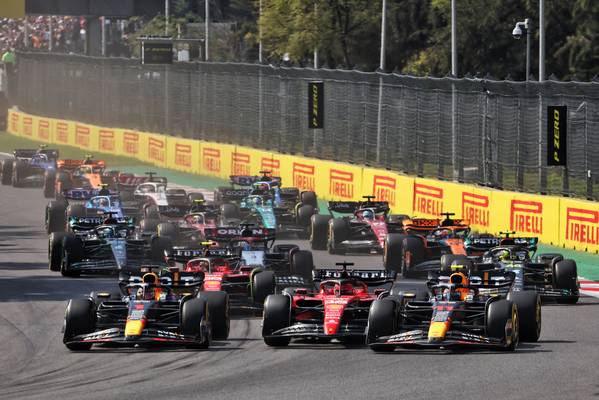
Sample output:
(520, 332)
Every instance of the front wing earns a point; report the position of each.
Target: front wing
(419, 338)
(117, 336)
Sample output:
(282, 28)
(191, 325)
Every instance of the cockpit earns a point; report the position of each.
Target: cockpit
(342, 288)
(506, 254)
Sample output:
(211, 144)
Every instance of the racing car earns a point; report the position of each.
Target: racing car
(161, 203)
(422, 243)
(362, 228)
(457, 313)
(244, 263)
(550, 275)
(107, 248)
(148, 311)
(262, 200)
(336, 309)
(29, 166)
(79, 179)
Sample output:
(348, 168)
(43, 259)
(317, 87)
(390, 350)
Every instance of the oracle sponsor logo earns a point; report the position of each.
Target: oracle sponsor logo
(303, 176)
(183, 155)
(272, 165)
(582, 226)
(43, 129)
(106, 142)
(240, 164)
(14, 122)
(475, 208)
(156, 149)
(211, 159)
(427, 199)
(131, 143)
(62, 132)
(28, 126)
(341, 183)
(383, 188)
(82, 136)
(526, 216)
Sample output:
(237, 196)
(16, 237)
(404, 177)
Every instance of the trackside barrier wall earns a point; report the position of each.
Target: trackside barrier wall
(558, 221)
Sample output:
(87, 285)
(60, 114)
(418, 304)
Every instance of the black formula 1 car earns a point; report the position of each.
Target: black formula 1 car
(479, 311)
(335, 309)
(28, 167)
(148, 311)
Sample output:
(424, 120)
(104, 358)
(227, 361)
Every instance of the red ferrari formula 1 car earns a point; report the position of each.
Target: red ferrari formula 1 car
(336, 309)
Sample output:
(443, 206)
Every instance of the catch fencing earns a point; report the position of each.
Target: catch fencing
(481, 131)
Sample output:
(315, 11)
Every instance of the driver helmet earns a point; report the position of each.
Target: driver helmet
(441, 233)
(197, 219)
(368, 214)
(258, 201)
(503, 255)
(106, 233)
(347, 289)
(103, 202)
(263, 187)
(88, 160)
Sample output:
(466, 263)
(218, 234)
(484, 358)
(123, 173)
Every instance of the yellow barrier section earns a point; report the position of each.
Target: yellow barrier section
(559, 221)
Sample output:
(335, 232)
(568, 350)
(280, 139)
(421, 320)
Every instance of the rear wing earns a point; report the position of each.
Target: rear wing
(487, 243)
(482, 279)
(229, 234)
(172, 279)
(249, 180)
(233, 194)
(370, 277)
(52, 154)
(350, 207)
(131, 181)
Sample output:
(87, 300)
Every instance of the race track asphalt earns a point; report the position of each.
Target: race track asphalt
(36, 365)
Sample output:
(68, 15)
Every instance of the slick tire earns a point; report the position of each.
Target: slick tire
(338, 232)
(447, 260)
(302, 264)
(310, 199)
(55, 251)
(498, 314)
(277, 315)
(55, 217)
(168, 230)
(529, 311)
(263, 285)
(393, 251)
(50, 184)
(149, 226)
(412, 254)
(319, 229)
(76, 210)
(6, 170)
(79, 319)
(17, 172)
(219, 311)
(565, 276)
(304, 215)
(72, 251)
(382, 321)
(159, 247)
(195, 322)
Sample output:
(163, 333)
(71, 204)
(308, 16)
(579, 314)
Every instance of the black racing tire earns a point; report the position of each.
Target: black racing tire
(549, 259)
(50, 184)
(529, 311)
(149, 226)
(302, 264)
(160, 245)
(565, 276)
(195, 196)
(277, 315)
(79, 319)
(319, 230)
(72, 251)
(397, 218)
(230, 211)
(76, 210)
(304, 215)
(419, 290)
(382, 321)
(100, 296)
(194, 314)
(498, 313)
(413, 253)
(392, 252)
(64, 181)
(309, 198)
(17, 171)
(447, 260)
(6, 170)
(338, 232)
(168, 229)
(263, 285)
(55, 250)
(56, 216)
(219, 310)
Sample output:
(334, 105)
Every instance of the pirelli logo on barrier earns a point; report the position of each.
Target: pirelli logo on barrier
(272, 165)
(14, 122)
(82, 136)
(43, 129)
(156, 149)
(427, 199)
(341, 184)
(211, 159)
(131, 143)
(62, 132)
(28, 126)
(106, 140)
(240, 164)
(582, 226)
(303, 176)
(383, 189)
(526, 216)
(475, 209)
(183, 155)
